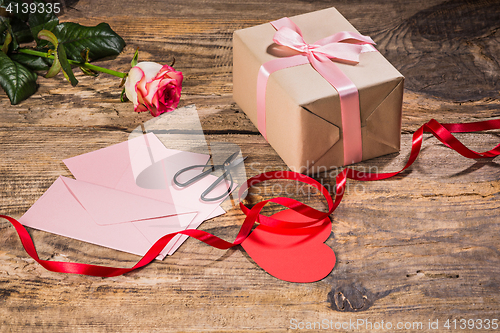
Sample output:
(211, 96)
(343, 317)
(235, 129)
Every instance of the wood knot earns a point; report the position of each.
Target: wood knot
(352, 298)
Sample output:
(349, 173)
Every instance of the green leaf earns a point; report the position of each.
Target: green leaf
(21, 31)
(15, 24)
(56, 65)
(48, 36)
(123, 96)
(133, 63)
(41, 21)
(5, 47)
(66, 67)
(6, 23)
(34, 63)
(3, 29)
(25, 26)
(18, 82)
(101, 40)
(54, 69)
(4, 20)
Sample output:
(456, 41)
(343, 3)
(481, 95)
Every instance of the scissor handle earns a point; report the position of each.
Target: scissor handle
(217, 182)
(195, 178)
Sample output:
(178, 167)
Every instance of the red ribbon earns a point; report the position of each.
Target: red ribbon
(441, 131)
(252, 216)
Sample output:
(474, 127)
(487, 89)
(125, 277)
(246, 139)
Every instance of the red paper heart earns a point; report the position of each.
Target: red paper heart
(289, 256)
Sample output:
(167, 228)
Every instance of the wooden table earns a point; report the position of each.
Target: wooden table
(419, 248)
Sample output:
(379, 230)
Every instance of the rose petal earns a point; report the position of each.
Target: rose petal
(167, 96)
(172, 73)
(151, 88)
(155, 112)
(143, 101)
(150, 69)
(140, 108)
(141, 89)
(134, 76)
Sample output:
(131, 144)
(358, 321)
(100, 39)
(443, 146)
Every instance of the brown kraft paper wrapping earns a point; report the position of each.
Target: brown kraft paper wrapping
(303, 116)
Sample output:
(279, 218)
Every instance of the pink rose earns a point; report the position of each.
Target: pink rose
(151, 86)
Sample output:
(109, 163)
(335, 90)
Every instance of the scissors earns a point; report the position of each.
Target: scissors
(230, 163)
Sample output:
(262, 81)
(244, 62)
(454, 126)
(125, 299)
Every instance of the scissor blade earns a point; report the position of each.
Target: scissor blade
(229, 160)
(236, 162)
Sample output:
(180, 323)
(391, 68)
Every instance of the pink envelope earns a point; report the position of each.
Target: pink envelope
(123, 197)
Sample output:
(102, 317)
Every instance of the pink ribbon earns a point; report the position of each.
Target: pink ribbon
(343, 46)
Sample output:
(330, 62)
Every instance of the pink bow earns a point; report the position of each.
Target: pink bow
(343, 46)
(332, 47)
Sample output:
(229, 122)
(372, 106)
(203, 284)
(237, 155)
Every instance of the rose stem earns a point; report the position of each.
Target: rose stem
(72, 62)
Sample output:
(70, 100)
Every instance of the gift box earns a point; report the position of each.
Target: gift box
(282, 73)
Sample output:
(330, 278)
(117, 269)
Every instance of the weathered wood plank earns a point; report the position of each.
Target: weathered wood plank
(421, 246)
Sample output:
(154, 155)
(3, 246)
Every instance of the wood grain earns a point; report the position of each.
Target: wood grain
(452, 49)
(421, 246)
